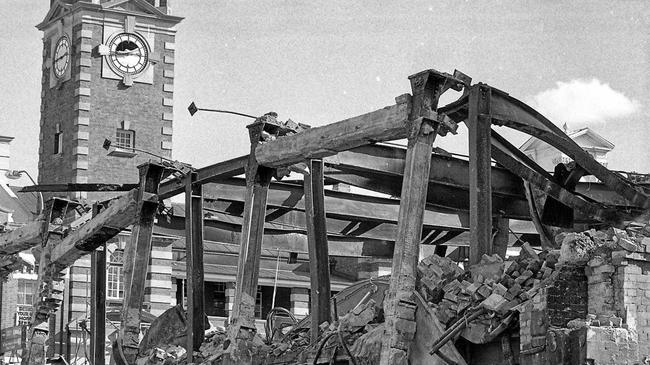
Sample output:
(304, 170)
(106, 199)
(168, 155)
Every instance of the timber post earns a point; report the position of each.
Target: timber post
(501, 236)
(480, 178)
(98, 301)
(194, 265)
(49, 289)
(319, 272)
(136, 262)
(241, 328)
(427, 86)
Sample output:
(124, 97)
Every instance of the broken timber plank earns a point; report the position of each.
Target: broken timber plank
(429, 330)
(22, 238)
(480, 178)
(427, 87)
(119, 214)
(319, 272)
(207, 174)
(389, 123)
(194, 269)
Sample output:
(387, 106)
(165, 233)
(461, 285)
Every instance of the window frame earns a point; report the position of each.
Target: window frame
(58, 143)
(114, 275)
(125, 132)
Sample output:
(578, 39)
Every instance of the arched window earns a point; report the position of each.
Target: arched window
(114, 275)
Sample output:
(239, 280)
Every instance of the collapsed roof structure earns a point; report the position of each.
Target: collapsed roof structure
(440, 198)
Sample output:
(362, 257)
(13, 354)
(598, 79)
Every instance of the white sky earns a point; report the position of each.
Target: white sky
(320, 62)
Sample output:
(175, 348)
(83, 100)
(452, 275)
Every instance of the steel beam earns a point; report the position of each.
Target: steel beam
(195, 277)
(319, 273)
(480, 179)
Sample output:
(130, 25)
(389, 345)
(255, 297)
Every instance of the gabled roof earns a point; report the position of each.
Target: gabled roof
(57, 10)
(140, 7)
(533, 142)
(594, 136)
(137, 6)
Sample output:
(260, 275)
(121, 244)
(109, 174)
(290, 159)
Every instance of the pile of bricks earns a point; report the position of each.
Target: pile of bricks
(494, 284)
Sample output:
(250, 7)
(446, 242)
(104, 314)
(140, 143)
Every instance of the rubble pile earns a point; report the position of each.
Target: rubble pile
(357, 334)
(495, 285)
(478, 303)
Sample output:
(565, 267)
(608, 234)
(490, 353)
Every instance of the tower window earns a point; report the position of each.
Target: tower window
(58, 143)
(125, 138)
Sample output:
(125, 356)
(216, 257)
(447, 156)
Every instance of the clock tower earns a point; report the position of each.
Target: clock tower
(108, 73)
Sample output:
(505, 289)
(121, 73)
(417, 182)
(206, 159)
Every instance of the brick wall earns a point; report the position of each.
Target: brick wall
(89, 108)
(632, 291)
(567, 297)
(8, 300)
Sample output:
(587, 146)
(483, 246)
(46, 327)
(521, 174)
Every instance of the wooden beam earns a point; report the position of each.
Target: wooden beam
(389, 123)
(194, 249)
(501, 236)
(242, 322)
(427, 87)
(78, 187)
(136, 262)
(480, 180)
(340, 204)
(119, 214)
(98, 301)
(23, 238)
(205, 175)
(319, 272)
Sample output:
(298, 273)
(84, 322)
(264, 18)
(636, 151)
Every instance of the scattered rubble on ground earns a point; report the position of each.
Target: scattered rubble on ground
(494, 298)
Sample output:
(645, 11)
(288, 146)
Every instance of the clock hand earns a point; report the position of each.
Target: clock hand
(64, 55)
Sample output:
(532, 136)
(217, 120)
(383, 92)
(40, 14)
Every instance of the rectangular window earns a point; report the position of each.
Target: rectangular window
(125, 138)
(26, 289)
(58, 143)
(114, 275)
(215, 299)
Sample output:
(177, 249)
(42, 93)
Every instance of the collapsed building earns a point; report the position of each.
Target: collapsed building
(579, 297)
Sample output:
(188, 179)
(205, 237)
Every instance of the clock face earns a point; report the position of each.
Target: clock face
(61, 58)
(128, 54)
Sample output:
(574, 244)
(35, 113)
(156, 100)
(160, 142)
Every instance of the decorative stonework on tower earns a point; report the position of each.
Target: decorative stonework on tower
(108, 73)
